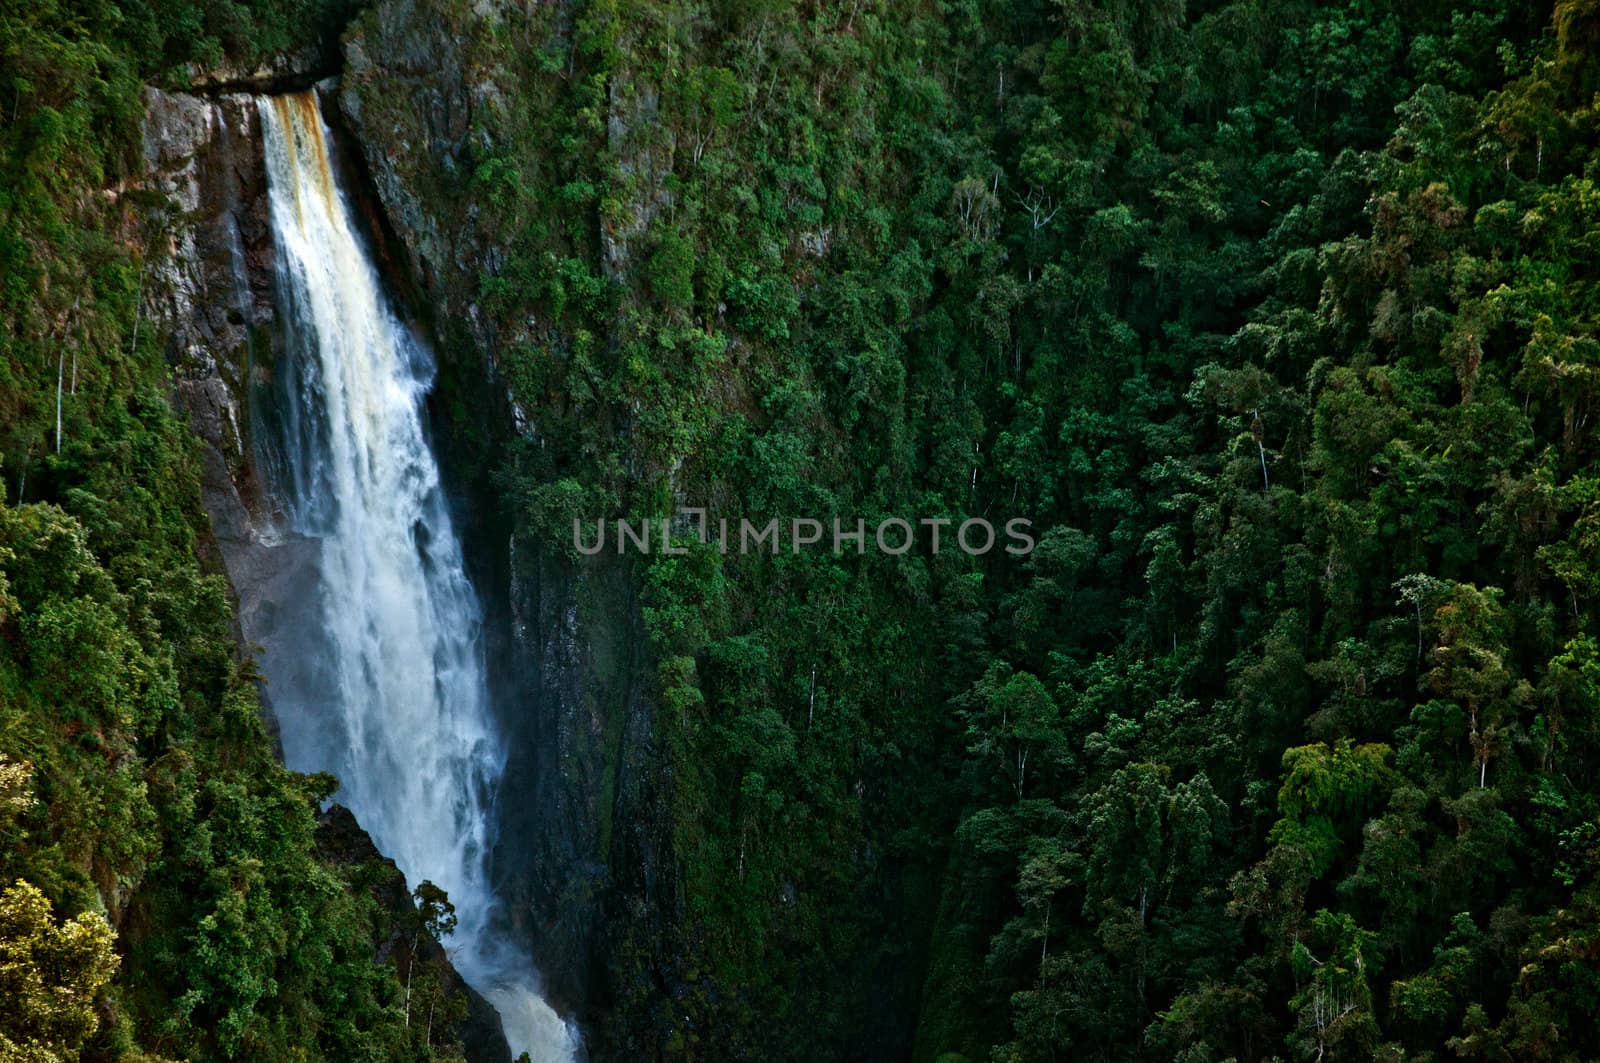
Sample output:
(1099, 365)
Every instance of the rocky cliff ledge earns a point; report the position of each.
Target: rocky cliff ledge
(212, 292)
(212, 289)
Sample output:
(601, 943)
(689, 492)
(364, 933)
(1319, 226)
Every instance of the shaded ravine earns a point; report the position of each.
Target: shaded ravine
(379, 674)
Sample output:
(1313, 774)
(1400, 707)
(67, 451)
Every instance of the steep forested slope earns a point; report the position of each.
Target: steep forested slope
(1277, 319)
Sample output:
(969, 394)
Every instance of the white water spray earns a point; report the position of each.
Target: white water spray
(389, 691)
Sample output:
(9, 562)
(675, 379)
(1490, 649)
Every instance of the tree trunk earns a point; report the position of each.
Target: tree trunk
(411, 966)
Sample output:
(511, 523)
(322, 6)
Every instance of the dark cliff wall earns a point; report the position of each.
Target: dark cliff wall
(581, 846)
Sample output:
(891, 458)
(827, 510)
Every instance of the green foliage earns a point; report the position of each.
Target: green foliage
(1278, 321)
(50, 974)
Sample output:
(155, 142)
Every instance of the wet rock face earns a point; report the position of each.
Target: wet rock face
(552, 850)
(212, 293)
(213, 287)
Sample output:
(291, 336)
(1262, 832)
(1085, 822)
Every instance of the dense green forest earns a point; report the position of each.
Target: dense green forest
(1277, 319)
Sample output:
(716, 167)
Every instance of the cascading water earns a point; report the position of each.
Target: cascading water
(383, 681)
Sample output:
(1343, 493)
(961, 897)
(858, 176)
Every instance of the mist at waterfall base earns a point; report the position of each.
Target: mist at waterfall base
(382, 678)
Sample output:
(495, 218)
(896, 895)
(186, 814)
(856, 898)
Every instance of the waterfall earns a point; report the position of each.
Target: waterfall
(383, 675)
